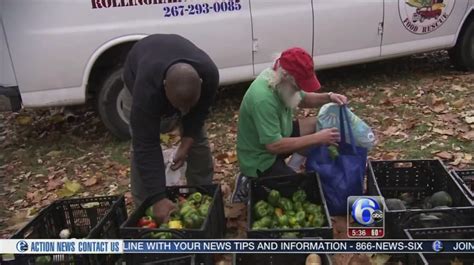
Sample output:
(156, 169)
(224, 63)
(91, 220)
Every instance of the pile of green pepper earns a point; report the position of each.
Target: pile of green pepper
(278, 212)
(191, 213)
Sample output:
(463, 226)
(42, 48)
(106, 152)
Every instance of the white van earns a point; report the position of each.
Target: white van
(65, 52)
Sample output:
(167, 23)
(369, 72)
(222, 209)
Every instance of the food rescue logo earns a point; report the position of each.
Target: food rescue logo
(424, 16)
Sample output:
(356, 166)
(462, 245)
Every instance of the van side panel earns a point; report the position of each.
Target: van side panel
(52, 41)
(7, 75)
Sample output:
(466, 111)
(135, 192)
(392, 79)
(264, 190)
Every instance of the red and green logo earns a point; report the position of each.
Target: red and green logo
(424, 16)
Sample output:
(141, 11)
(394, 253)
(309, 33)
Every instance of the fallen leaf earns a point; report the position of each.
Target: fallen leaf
(57, 118)
(53, 153)
(444, 155)
(456, 162)
(69, 188)
(445, 132)
(24, 120)
(435, 100)
(33, 196)
(468, 157)
(228, 157)
(458, 88)
(231, 159)
(449, 117)
(458, 103)
(226, 190)
(439, 108)
(91, 181)
(53, 184)
(390, 130)
(469, 135)
(234, 210)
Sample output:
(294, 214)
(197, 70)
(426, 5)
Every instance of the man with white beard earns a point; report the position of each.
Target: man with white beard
(267, 133)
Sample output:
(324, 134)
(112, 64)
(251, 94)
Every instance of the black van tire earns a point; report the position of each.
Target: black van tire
(108, 106)
(462, 55)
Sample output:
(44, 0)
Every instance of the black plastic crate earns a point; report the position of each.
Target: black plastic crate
(458, 232)
(466, 180)
(287, 185)
(90, 218)
(421, 178)
(277, 259)
(213, 226)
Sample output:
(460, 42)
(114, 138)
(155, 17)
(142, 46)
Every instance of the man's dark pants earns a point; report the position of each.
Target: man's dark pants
(200, 168)
(279, 167)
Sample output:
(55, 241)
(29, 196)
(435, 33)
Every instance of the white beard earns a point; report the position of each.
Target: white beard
(289, 96)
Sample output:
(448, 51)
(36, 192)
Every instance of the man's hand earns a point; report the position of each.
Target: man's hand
(162, 210)
(329, 136)
(338, 98)
(181, 154)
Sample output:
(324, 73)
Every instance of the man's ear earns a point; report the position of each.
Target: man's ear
(164, 82)
(201, 80)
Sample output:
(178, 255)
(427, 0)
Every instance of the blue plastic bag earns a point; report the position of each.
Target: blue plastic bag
(343, 175)
(328, 117)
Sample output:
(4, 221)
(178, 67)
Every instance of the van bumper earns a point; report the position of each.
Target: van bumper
(10, 98)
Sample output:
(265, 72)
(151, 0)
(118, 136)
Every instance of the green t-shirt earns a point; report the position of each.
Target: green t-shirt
(263, 119)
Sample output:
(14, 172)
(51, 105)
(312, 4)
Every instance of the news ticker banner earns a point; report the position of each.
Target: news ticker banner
(83, 246)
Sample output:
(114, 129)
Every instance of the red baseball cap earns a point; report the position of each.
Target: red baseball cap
(299, 64)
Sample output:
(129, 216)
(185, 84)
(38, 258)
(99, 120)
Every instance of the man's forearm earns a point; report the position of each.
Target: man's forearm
(292, 144)
(186, 143)
(313, 100)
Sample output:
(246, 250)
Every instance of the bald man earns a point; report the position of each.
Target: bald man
(172, 83)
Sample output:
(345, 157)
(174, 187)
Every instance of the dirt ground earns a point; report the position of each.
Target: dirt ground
(418, 106)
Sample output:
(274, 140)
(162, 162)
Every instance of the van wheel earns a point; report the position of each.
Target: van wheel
(462, 55)
(114, 104)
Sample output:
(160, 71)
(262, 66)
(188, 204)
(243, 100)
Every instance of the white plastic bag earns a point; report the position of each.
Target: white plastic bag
(328, 117)
(173, 177)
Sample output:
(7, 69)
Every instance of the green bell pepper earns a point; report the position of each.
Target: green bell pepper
(298, 206)
(186, 209)
(204, 209)
(273, 197)
(300, 217)
(266, 221)
(283, 220)
(290, 213)
(192, 220)
(318, 220)
(262, 209)
(313, 209)
(149, 211)
(285, 204)
(333, 152)
(261, 212)
(257, 225)
(260, 203)
(299, 196)
(292, 221)
(206, 199)
(196, 197)
(275, 223)
(161, 235)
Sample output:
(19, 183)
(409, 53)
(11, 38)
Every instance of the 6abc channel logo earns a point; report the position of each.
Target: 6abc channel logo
(365, 211)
